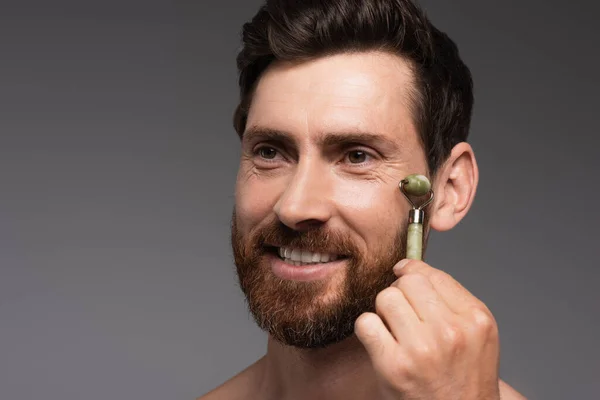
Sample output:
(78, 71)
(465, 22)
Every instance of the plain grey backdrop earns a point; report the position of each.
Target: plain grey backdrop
(117, 169)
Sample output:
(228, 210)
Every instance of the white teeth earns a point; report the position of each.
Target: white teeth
(302, 257)
(306, 256)
(296, 255)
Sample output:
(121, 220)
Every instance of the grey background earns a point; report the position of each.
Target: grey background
(117, 170)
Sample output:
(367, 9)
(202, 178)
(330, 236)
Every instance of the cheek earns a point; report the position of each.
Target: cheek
(373, 209)
(253, 200)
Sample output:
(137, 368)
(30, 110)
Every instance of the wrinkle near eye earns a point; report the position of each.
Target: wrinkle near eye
(389, 173)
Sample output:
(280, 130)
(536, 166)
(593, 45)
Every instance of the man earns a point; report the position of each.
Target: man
(340, 100)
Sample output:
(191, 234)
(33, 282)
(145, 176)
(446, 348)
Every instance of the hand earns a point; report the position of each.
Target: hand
(431, 338)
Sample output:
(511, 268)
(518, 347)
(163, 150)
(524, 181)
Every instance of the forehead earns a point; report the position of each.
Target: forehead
(369, 91)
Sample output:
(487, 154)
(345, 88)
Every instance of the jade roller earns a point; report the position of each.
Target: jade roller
(417, 186)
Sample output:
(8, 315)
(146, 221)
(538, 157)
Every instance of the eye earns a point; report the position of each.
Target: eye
(266, 152)
(357, 156)
(360, 157)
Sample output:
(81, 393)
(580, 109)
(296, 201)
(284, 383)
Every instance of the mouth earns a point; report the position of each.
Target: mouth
(299, 257)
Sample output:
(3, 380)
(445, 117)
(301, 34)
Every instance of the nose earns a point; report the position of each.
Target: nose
(306, 201)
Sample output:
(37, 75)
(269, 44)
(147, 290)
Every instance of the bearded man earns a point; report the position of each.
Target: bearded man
(341, 100)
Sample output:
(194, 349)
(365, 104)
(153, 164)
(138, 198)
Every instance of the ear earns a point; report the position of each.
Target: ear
(454, 188)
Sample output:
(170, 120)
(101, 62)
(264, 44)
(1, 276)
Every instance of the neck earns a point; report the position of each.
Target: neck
(340, 371)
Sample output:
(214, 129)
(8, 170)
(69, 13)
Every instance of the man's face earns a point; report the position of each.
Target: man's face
(300, 189)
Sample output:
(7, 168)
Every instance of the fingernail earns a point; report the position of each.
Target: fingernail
(401, 264)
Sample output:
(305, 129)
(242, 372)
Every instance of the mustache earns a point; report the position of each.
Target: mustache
(318, 240)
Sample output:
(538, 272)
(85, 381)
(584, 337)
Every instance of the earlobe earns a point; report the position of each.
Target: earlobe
(455, 188)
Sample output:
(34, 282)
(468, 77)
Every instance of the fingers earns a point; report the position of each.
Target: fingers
(397, 313)
(418, 342)
(374, 335)
(421, 299)
(457, 297)
(426, 302)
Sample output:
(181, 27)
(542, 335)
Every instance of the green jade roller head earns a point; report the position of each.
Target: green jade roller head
(416, 186)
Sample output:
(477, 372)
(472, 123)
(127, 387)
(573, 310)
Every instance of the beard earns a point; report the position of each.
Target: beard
(312, 314)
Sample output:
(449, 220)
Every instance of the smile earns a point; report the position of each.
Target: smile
(287, 268)
(299, 257)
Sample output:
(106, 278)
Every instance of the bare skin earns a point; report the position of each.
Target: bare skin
(282, 374)
(307, 184)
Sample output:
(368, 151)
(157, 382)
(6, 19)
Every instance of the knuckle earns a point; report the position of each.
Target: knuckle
(412, 279)
(401, 368)
(424, 352)
(483, 321)
(440, 277)
(453, 336)
(387, 298)
(387, 295)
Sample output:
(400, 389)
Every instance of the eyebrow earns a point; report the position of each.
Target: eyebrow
(326, 140)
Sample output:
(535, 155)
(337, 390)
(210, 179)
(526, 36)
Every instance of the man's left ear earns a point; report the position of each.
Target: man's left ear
(454, 188)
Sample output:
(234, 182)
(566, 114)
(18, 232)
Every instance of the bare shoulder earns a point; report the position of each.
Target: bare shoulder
(240, 387)
(507, 392)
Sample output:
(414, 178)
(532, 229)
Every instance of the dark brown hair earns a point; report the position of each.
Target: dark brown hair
(301, 30)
